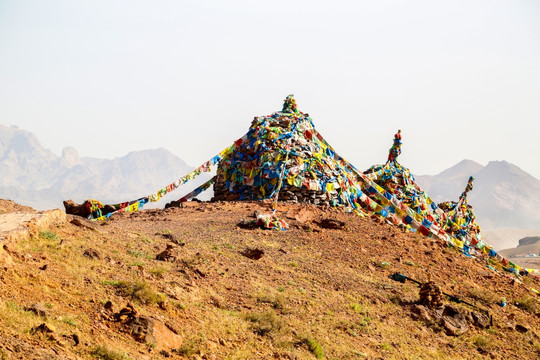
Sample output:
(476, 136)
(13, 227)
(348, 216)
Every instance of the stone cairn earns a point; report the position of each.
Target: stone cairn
(285, 145)
(431, 295)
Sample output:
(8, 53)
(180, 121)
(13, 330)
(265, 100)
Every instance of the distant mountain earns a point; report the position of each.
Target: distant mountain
(504, 196)
(35, 176)
(450, 183)
(526, 254)
(527, 246)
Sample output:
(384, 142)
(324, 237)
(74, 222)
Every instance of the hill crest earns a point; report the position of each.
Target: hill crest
(313, 291)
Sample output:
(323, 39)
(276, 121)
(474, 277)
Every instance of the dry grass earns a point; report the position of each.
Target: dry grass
(140, 292)
(322, 284)
(104, 353)
(528, 303)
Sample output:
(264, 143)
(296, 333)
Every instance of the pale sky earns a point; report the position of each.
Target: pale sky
(461, 79)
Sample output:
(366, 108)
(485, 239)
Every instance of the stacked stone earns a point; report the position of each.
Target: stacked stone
(431, 295)
(285, 151)
(221, 193)
(304, 195)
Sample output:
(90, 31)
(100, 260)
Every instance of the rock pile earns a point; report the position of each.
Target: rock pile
(453, 320)
(431, 295)
(283, 155)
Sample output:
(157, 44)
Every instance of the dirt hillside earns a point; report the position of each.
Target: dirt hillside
(199, 282)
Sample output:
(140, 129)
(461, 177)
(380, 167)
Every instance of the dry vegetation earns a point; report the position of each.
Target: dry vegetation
(315, 294)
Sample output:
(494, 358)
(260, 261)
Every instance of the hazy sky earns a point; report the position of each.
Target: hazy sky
(461, 79)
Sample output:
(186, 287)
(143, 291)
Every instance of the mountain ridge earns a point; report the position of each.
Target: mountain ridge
(35, 176)
(504, 195)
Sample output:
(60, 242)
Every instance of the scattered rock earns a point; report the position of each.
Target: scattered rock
(44, 328)
(125, 313)
(303, 215)
(44, 267)
(421, 312)
(108, 305)
(38, 309)
(173, 204)
(82, 210)
(331, 224)
(73, 339)
(164, 353)
(253, 253)
(454, 322)
(199, 272)
(148, 330)
(82, 222)
(521, 328)
(91, 253)
(167, 255)
(247, 224)
(480, 320)
(455, 327)
(172, 238)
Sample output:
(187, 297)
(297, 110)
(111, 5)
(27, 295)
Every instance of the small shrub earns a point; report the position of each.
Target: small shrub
(48, 235)
(484, 296)
(192, 345)
(528, 303)
(136, 263)
(281, 289)
(480, 341)
(315, 348)
(141, 292)
(70, 321)
(357, 307)
(267, 323)
(111, 282)
(365, 322)
(278, 301)
(139, 254)
(103, 353)
(158, 271)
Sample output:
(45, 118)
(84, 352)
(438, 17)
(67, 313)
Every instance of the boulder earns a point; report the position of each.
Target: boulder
(254, 254)
(148, 330)
(454, 322)
(169, 254)
(331, 224)
(480, 320)
(91, 253)
(38, 309)
(82, 222)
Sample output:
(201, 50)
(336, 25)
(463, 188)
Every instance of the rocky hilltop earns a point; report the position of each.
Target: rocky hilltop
(202, 282)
